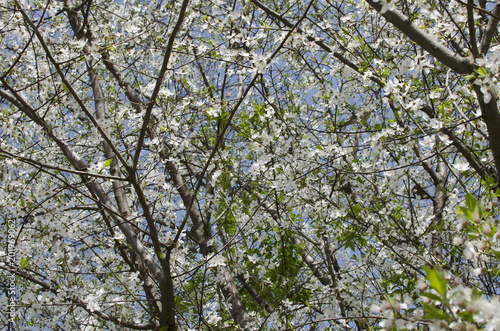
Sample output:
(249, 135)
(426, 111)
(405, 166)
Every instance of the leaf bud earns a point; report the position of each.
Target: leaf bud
(488, 207)
(472, 309)
(481, 246)
(486, 228)
(443, 324)
(457, 326)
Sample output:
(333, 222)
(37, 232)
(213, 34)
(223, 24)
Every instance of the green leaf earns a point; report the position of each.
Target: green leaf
(482, 72)
(466, 316)
(470, 201)
(434, 313)
(437, 280)
(466, 212)
(432, 296)
(497, 253)
(24, 262)
(108, 163)
(476, 294)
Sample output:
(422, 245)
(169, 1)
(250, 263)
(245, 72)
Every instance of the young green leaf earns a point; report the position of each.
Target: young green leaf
(437, 280)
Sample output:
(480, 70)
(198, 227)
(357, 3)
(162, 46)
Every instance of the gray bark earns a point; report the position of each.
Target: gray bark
(457, 63)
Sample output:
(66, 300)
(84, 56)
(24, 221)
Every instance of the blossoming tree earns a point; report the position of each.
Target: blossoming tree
(253, 165)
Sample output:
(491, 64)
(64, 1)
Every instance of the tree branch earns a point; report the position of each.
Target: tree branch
(78, 163)
(159, 82)
(255, 295)
(199, 230)
(70, 87)
(321, 44)
(121, 196)
(491, 29)
(79, 302)
(472, 29)
(457, 63)
(492, 119)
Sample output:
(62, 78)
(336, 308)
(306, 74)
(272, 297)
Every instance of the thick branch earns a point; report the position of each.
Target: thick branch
(200, 234)
(457, 63)
(472, 29)
(233, 297)
(78, 163)
(481, 170)
(439, 196)
(309, 261)
(255, 295)
(77, 28)
(167, 315)
(118, 187)
(198, 231)
(490, 29)
(120, 193)
(131, 95)
(71, 89)
(492, 119)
